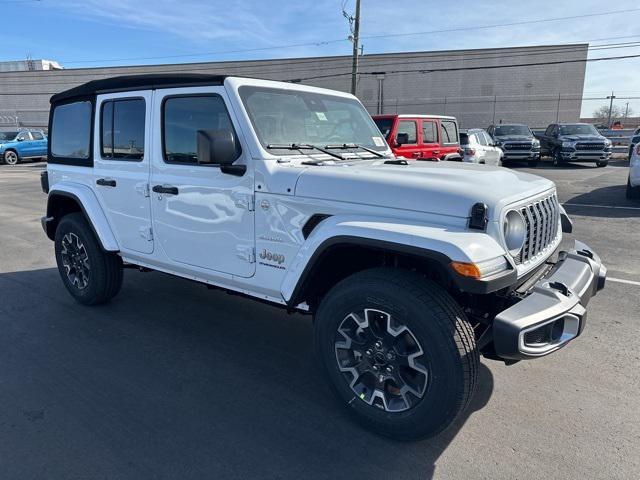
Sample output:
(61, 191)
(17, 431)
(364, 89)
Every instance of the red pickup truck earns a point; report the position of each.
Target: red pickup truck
(421, 137)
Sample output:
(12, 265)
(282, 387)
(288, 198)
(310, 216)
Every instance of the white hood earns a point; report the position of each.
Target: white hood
(443, 188)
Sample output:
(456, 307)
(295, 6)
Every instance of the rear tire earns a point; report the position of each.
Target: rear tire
(425, 338)
(632, 192)
(11, 157)
(602, 164)
(91, 275)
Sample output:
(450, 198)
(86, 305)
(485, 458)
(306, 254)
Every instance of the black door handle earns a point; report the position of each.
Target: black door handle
(165, 189)
(103, 182)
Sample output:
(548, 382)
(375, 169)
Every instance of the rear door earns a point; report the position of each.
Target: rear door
(122, 164)
(39, 144)
(430, 145)
(492, 153)
(449, 142)
(412, 148)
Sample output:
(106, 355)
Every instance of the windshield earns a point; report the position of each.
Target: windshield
(505, 130)
(578, 129)
(293, 117)
(4, 136)
(384, 125)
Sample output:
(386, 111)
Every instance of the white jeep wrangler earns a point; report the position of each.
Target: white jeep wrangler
(289, 194)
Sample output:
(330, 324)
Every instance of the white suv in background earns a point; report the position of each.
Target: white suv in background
(633, 182)
(478, 147)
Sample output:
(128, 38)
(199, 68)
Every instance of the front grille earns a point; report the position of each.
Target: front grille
(541, 219)
(517, 146)
(589, 146)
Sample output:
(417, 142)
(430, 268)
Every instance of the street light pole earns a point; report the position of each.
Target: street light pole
(356, 47)
(612, 96)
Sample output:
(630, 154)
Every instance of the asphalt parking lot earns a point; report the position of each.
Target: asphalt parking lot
(172, 380)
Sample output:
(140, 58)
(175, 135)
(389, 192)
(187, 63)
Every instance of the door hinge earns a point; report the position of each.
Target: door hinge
(246, 201)
(246, 253)
(146, 233)
(143, 189)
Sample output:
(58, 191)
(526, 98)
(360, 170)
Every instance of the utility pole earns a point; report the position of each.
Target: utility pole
(612, 96)
(626, 112)
(355, 38)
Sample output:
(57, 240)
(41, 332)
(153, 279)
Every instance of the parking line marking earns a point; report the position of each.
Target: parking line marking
(599, 206)
(620, 280)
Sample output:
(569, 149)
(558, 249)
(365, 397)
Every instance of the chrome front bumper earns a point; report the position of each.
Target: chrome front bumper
(554, 310)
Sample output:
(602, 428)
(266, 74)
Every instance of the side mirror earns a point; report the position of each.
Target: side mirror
(402, 138)
(218, 147)
(20, 139)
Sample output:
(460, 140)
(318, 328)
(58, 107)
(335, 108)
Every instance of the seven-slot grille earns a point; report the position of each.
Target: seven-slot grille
(589, 146)
(541, 219)
(517, 146)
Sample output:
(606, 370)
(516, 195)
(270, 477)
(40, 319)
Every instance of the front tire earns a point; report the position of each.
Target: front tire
(398, 351)
(11, 157)
(557, 158)
(602, 164)
(91, 275)
(532, 163)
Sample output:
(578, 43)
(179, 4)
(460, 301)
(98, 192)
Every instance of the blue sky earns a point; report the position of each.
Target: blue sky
(78, 32)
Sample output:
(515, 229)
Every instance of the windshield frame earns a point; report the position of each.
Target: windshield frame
(593, 131)
(309, 97)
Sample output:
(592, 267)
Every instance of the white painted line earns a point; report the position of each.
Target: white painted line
(599, 206)
(620, 280)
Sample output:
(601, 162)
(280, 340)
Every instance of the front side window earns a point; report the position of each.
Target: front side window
(448, 132)
(410, 129)
(429, 132)
(183, 117)
(285, 117)
(71, 130)
(24, 136)
(122, 129)
(384, 125)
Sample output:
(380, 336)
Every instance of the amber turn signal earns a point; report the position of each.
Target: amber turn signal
(470, 270)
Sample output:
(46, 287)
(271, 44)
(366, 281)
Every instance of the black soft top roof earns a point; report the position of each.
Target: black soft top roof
(138, 82)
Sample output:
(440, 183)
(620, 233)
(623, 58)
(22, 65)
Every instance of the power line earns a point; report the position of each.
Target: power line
(327, 42)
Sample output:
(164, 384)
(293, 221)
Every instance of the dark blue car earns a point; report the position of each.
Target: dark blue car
(20, 145)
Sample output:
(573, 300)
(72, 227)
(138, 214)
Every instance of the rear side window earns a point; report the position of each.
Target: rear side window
(448, 132)
(122, 129)
(429, 132)
(71, 131)
(183, 117)
(410, 128)
(464, 139)
(481, 139)
(37, 136)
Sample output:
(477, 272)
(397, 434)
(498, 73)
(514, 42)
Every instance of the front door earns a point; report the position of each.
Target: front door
(121, 167)
(407, 132)
(202, 217)
(25, 147)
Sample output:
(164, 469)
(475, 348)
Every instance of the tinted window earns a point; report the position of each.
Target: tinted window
(384, 125)
(410, 128)
(71, 130)
(549, 130)
(635, 140)
(24, 136)
(183, 117)
(123, 129)
(464, 139)
(429, 132)
(8, 136)
(37, 136)
(448, 132)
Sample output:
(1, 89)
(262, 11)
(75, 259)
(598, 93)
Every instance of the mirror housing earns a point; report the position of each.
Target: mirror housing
(20, 139)
(402, 138)
(219, 148)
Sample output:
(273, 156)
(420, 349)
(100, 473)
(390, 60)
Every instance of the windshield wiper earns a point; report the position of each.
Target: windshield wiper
(347, 146)
(302, 146)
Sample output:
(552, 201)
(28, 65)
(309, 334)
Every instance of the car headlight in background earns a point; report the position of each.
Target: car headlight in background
(607, 143)
(515, 231)
(535, 142)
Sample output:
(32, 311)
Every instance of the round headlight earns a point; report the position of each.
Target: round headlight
(515, 231)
